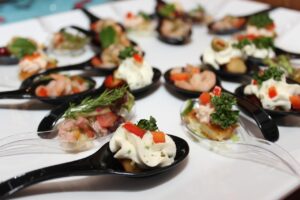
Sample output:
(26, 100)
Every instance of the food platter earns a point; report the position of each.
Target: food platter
(217, 171)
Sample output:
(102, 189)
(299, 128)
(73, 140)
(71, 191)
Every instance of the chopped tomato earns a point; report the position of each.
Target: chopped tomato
(75, 90)
(129, 15)
(132, 128)
(158, 137)
(217, 91)
(204, 98)
(111, 82)
(272, 92)
(41, 91)
(32, 56)
(107, 120)
(179, 76)
(249, 37)
(96, 61)
(295, 101)
(138, 58)
(254, 82)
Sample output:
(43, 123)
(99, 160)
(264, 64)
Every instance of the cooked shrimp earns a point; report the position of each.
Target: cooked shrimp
(175, 28)
(204, 81)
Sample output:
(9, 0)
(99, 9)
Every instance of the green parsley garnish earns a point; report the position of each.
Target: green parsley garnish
(88, 105)
(144, 15)
(167, 10)
(21, 47)
(224, 116)
(261, 20)
(260, 43)
(107, 36)
(148, 124)
(272, 72)
(127, 52)
(282, 62)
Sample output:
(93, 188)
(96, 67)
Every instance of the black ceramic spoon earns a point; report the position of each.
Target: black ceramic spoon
(264, 121)
(29, 92)
(239, 29)
(100, 163)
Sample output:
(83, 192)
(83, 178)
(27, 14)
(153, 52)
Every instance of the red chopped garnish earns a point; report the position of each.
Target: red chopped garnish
(75, 90)
(295, 101)
(129, 15)
(249, 37)
(96, 62)
(158, 137)
(41, 91)
(111, 82)
(132, 128)
(107, 120)
(204, 98)
(272, 92)
(217, 91)
(254, 82)
(138, 58)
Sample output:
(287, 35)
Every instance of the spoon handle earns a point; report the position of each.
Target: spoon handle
(93, 18)
(280, 51)
(15, 94)
(17, 183)
(264, 121)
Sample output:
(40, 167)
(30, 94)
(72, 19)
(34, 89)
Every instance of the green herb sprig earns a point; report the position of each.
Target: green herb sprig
(282, 62)
(127, 52)
(108, 36)
(148, 124)
(108, 97)
(167, 10)
(261, 20)
(224, 116)
(21, 47)
(272, 72)
(144, 15)
(260, 43)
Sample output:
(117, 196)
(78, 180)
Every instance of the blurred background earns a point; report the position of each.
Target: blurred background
(25, 9)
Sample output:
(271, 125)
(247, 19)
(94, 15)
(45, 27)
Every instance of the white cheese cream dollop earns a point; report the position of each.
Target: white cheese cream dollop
(252, 50)
(142, 151)
(136, 74)
(281, 100)
(217, 58)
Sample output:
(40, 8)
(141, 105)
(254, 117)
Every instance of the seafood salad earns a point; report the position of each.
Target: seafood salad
(192, 78)
(61, 85)
(94, 117)
(173, 25)
(212, 115)
(228, 23)
(269, 87)
(67, 41)
(35, 63)
(223, 54)
(142, 146)
(133, 70)
(261, 25)
(140, 22)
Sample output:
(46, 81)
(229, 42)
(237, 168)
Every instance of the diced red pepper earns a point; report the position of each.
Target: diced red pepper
(204, 98)
(96, 62)
(132, 128)
(111, 82)
(158, 137)
(75, 90)
(272, 92)
(217, 91)
(295, 101)
(138, 58)
(254, 82)
(107, 120)
(41, 91)
(129, 15)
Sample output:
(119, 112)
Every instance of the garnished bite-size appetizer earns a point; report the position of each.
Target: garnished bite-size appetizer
(270, 89)
(134, 70)
(35, 63)
(20, 47)
(140, 22)
(62, 85)
(94, 117)
(256, 47)
(261, 25)
(193, 78)
(67, 42)
(228, 25)
(142, 146)
(212, 115)
(223, 55)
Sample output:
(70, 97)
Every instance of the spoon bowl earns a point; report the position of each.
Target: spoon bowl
(101, 162)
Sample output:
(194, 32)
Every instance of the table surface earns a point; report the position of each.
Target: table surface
(204, 174)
